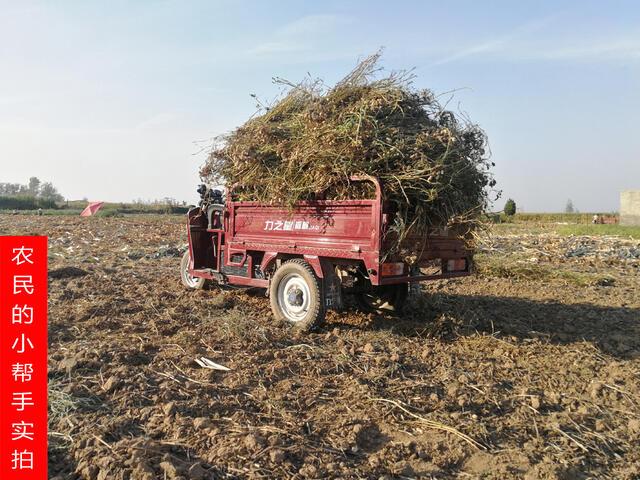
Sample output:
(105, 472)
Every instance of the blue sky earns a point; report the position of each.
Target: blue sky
(113, 100)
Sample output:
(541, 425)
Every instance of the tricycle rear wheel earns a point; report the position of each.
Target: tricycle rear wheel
(295, 295)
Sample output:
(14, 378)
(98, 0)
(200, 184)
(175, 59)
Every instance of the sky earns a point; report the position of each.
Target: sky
(119, 100)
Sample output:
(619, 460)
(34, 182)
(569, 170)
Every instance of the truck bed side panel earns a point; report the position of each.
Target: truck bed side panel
(339, 225)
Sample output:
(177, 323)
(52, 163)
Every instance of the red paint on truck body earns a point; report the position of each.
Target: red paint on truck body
(335, 231)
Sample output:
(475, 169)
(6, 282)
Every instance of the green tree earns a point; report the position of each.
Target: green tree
(569, 208)
(10, 189)
(34, 186)
(510, 207)
(49, 192)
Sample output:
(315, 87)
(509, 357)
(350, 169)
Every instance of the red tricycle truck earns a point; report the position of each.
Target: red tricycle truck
(311, 256)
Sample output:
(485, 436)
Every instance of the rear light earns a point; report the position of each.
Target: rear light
(457, 265)
(392, 269)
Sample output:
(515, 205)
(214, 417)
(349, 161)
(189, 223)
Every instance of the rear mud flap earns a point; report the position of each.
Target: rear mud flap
(332, 288)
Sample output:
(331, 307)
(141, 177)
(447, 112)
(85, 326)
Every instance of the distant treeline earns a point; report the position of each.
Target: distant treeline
(23, 202)
(26, 204)
(137, 207)
(43, 195)
(31, 196)
(577, 218)
(35, 190)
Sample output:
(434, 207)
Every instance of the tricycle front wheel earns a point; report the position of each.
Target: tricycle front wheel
(188, 280)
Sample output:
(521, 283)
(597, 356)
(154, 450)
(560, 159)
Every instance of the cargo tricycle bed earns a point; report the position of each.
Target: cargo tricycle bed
(310, 256)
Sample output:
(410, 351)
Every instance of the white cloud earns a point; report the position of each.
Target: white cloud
(498, 44)
(276, 48)
(486, 47)
(606, 49)
(302, 35)
(12, 100)
(520, 44)
(156, 121)
(313, 24)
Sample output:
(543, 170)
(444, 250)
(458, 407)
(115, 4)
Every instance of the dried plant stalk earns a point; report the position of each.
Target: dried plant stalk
(433, 164)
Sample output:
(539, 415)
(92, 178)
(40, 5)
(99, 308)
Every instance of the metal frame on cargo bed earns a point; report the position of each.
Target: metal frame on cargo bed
(338, 244)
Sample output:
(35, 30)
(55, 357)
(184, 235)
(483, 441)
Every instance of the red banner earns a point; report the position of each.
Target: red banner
(23, 358)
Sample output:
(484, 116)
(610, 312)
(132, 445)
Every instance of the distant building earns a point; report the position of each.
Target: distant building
(630, 207)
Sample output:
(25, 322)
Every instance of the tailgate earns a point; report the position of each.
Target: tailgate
(422, 258)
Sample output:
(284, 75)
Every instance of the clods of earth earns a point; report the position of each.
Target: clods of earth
(529, 373)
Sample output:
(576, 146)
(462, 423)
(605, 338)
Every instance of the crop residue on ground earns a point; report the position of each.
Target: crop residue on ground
(493, 376)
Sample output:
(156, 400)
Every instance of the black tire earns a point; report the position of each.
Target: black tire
(384, 299)
(295, 295)
(195, 283)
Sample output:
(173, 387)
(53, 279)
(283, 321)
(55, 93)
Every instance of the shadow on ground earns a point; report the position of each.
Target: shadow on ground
(615, 330)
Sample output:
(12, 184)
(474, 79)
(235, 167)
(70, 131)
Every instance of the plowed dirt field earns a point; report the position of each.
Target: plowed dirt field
(529, 369)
